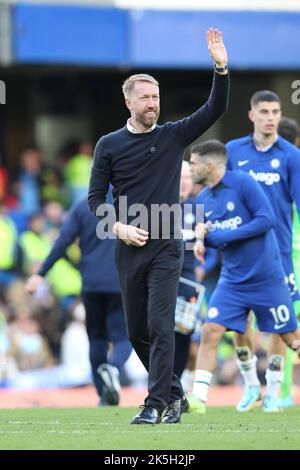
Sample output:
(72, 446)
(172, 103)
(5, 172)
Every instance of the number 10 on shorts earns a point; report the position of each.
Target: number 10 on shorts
(281, 314)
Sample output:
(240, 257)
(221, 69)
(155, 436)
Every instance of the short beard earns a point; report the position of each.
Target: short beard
(147, 123)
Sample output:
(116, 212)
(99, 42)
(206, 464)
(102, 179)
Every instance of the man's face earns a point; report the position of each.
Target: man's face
(31, 161)
(265, 117)
(199, 169)
(186, 183)
(37, 223)
(143, 103)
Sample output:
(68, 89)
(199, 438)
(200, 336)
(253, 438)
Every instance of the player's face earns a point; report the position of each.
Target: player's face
(186, 183)
(144, 103)
(199, 169)
(265, 117)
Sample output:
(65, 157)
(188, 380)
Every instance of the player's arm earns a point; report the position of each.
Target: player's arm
(210, 262)
(193, 126)
(199, 248)
(262, 216)
(68, 233)
(100, 177)
(199, 251)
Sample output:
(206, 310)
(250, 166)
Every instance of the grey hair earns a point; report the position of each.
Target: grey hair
(128, 85)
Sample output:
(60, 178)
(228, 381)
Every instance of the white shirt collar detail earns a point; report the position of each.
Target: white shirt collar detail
(133, 130)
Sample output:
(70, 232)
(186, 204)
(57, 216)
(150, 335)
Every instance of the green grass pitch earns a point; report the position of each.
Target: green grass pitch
(109, 428)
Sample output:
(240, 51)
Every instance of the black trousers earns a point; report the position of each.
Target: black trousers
(149, 278)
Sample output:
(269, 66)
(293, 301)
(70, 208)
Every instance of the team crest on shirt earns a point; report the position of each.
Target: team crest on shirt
(213, 312)
(275, 163)
(230, 206)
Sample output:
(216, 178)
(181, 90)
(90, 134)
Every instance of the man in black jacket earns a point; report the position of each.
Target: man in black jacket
(143, 161)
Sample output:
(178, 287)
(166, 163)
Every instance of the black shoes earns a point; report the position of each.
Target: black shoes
(174, 411)
(185, 406)
(147, 415)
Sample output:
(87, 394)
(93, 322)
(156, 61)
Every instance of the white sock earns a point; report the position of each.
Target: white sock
(274, 378)
(274, 375)
(187, 380)
(248, 371)
(201, 384)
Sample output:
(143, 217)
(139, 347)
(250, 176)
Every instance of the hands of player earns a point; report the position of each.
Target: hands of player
(216, 47)
(199, 251)
(131, 235)
(200, 273)
(33, 283)
(200, 231)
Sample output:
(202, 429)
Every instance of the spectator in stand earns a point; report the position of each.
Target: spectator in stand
(101, 297)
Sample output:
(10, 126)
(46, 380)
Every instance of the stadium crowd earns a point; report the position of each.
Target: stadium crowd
(43, 337)
(47, 329)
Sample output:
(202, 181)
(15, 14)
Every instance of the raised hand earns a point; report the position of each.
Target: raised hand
(216, 47)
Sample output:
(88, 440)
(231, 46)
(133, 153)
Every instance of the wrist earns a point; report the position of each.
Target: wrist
(120, 230)
(116, 228)
(221, 68)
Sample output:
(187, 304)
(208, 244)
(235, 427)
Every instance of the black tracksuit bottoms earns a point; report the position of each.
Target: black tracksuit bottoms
(149, 278)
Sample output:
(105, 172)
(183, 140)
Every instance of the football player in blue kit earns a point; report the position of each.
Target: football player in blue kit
(239, 221)
(275, 164)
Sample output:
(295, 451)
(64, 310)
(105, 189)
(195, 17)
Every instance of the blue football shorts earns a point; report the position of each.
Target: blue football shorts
(272, 305)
